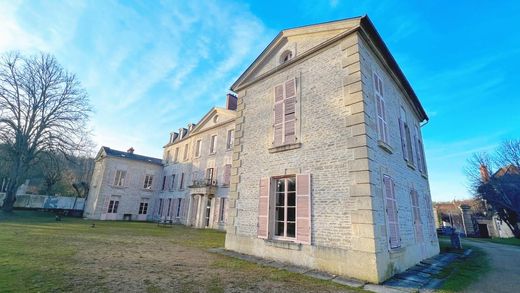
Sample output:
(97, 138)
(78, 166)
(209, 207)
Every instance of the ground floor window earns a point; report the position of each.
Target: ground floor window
(112, 206)
(169, 207)
(178, 214)
(143, 208)
(208, 212)
(160, 207)
(285, 207)
(222, 209)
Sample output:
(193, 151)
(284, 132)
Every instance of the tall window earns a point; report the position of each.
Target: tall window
(176, 155)
(229, 140)
(186, 152)
(112, 206)
(169, 207)
(178, 214)
(284, 126)
(159, 212)
(227, 174)
(148, 179)
(416, 215)
(181, 185)
(119, 180)
(172, 183)
(421, 162)
(406, 143)
(209, 174)
(168, 157)
(163, 183)
(213, 144)
(382, 126)
(198, 148)
(392, 222)
(143, 208)
(222, 209)
(285, 208)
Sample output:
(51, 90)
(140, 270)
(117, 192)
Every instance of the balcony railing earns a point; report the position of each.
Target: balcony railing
(203, 183)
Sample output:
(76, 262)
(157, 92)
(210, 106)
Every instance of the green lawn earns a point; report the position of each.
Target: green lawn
(38, 254)
(508, 241)
(462, 272)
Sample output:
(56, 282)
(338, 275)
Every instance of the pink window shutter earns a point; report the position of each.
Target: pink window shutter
(263, 209)
(391, 213)
(278, 115)
(303, 208)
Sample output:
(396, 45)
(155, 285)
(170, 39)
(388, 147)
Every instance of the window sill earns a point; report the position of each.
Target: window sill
(396, 251)
(147, 190)
(385, 146)
(425, 176)
(229, 149)
(285, 147)
(118, 187)
(212, 154)
(411, 166)
(285, 244)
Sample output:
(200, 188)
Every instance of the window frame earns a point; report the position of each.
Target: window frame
(273, 199)
(186, 152)
(380, 109)
(198, 148)
(113, 206)
(178, 212)
(213, 144)
(222, 210)
(148, 182)
(181, 183)
(230, 138)
(120, 178)
(143, 208)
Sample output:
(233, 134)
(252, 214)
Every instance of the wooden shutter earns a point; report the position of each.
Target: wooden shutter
(303, 208)
(404, 147)
(394, 239)
(227, 174)
(290, 111)
(382, 125)
(278, 115)
(417, 221)
(263, 209)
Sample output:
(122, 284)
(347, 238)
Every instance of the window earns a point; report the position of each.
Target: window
(178, 214)
(209, 174)
(119, 180)
(163, 183)
(416, 215)
(186, 152)
(112, 206)
(222, 209)
(382, 126)
(227, 174)
(421, 163)
(168, 157)
(181, 185)
(285, 208)
(169, 207)
(392, 223)
(198, 148)
(286, 56)
(213, 144)
(172, 182)
(176, 155)
(143, 208)
(284, 116)
(159, 212)
(229, 140)
(148, 179)
(406, 143)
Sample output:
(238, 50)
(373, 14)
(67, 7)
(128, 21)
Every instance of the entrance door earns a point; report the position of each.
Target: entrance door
(483, 229)
(208, 212)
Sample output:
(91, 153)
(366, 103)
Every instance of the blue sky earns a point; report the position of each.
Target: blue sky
(151, 67)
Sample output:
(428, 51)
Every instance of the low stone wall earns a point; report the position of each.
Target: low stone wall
(35, 201)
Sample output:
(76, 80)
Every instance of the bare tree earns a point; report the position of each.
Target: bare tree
(43, 108)
(499, 189)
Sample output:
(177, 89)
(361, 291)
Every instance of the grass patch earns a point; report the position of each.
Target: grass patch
(507, 241)
(39, 254)
(462, 272)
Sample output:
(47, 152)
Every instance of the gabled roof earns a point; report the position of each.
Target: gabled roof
(361, 24)
(507, 170)
(106, 151)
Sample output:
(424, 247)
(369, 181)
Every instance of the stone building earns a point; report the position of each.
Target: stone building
(328, 166)
(197, 170)
(123, 186)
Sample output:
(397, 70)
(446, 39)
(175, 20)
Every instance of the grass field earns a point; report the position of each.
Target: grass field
(38, 254)
(508, 241)
(462, 272)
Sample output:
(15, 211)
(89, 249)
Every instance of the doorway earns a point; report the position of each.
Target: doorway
(483, 229)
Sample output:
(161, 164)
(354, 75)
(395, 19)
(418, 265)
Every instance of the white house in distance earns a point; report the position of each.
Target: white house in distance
(328, 164)
(123, 186)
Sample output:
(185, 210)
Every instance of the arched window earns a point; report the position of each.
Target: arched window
(286, 56)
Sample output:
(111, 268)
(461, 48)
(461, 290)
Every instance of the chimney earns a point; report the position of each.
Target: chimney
(231, 102)
(484, 173)
(130, 150)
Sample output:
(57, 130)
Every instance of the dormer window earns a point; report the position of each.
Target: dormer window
(286, 56)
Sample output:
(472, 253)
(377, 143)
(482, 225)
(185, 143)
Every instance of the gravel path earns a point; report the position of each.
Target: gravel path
(504, 275)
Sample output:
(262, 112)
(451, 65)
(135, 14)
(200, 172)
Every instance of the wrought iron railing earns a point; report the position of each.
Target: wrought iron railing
(203, 183)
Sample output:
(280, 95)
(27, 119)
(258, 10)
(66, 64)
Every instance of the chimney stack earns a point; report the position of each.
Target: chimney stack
(130, 150)
(231, 102)
(484, 173)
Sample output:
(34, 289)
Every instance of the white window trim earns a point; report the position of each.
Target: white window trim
(273, 200)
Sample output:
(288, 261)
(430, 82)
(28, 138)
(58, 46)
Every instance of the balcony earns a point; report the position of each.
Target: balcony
(203, 186)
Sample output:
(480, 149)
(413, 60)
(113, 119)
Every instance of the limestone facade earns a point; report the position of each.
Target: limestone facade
(367, 213)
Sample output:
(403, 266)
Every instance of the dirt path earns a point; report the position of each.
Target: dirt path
(504, 275)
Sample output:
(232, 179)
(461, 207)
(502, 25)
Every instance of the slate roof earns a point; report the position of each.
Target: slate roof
(120, 154)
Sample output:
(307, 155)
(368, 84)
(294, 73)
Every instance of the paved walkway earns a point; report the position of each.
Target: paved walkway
(504, 275)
